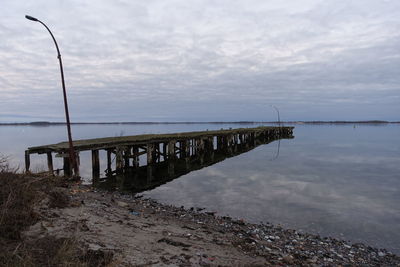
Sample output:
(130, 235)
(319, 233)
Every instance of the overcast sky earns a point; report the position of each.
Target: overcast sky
(208, 60)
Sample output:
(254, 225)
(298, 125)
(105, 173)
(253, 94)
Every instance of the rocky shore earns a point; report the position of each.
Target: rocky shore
(82, 226)
(137, 231)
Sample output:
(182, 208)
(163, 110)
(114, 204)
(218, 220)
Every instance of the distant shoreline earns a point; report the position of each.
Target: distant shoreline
(46, 123)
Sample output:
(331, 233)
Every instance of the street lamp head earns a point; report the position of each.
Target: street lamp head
(31, 18)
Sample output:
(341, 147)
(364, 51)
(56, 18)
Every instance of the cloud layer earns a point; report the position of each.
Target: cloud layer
(201, 60)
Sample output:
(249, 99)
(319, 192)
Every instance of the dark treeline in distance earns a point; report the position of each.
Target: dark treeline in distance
(47, 123)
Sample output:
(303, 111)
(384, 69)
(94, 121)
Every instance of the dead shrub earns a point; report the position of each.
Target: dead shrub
(17, 197)
(5, 166)
(52, 251)
(58, 199)
(98, 258)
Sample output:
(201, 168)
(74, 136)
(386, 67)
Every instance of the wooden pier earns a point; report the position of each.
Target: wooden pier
(126, 151)
(147, 177)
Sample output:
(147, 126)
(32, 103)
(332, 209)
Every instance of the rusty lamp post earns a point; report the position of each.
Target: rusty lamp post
(72, 158)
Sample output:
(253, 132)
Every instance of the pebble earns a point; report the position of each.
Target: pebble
(288, 259)
(275, 242)
(381, 254)
(122, 204)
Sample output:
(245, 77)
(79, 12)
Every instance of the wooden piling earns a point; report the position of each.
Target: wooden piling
(171, 167)
(50, 162)
(149, 172)
(109, 166)
(219, 142)
(119, 163)
(201, 145)
(157, 152)
(67, 167)
(95, 164)
(164, 150)
(127, 156)
(135, 153)
(171, 149)
(150, 153)
(187, 148)
(27, 161)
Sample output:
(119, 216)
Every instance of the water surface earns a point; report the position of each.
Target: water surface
(336, 180)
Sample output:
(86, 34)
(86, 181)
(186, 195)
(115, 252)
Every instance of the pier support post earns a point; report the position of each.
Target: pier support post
(119, 163)
(235, 143)
(149, 172)
(187, 148)
(230, 143)
(210, 148)
(219, 143)
(171, 168)
(164, 150)
(201, 145)
(135, 152)
(207, 144)
(67, 167)
(194, 146)
(171, 149)
(50, 163)
(246, 140)
(241, 138)
(182, 149)
(150, 154)
(109, 168)
(190, 145)
(157, 152)
(171, 158)
(27, 161)
(95, 165)
(78, 163)
(187, 153)
(127, 154)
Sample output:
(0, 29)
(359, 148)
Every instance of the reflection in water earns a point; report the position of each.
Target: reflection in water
(277, 151)
(144, 178)
(333, 180)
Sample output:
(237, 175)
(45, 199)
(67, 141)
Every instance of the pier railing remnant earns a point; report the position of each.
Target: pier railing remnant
(134, 151)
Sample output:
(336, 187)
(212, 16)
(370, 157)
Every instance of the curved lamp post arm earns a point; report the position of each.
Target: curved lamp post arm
(47, 28)
(72, 157)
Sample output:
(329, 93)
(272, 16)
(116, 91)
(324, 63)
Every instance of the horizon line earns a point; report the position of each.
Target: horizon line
(43, 123)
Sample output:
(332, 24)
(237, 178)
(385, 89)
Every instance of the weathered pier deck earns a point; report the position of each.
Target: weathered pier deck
(147, 177)
(153, 148)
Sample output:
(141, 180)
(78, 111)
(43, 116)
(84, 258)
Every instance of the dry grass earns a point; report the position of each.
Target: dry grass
(19, 193)
(58, 199)
(51, 251)
(17, 197)
(5, 165)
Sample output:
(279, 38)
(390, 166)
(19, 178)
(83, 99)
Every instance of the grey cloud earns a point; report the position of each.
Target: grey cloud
(338, 57)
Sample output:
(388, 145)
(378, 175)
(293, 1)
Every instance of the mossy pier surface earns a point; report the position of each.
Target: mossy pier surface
(127, 149)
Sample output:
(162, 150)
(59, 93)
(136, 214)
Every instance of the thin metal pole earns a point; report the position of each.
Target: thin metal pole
(279, 118)
(72, 158)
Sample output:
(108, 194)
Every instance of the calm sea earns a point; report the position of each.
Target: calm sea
(337, 180)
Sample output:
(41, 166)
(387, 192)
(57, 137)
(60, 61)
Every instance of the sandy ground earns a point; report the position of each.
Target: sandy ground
(133, 231)
(138, 233)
